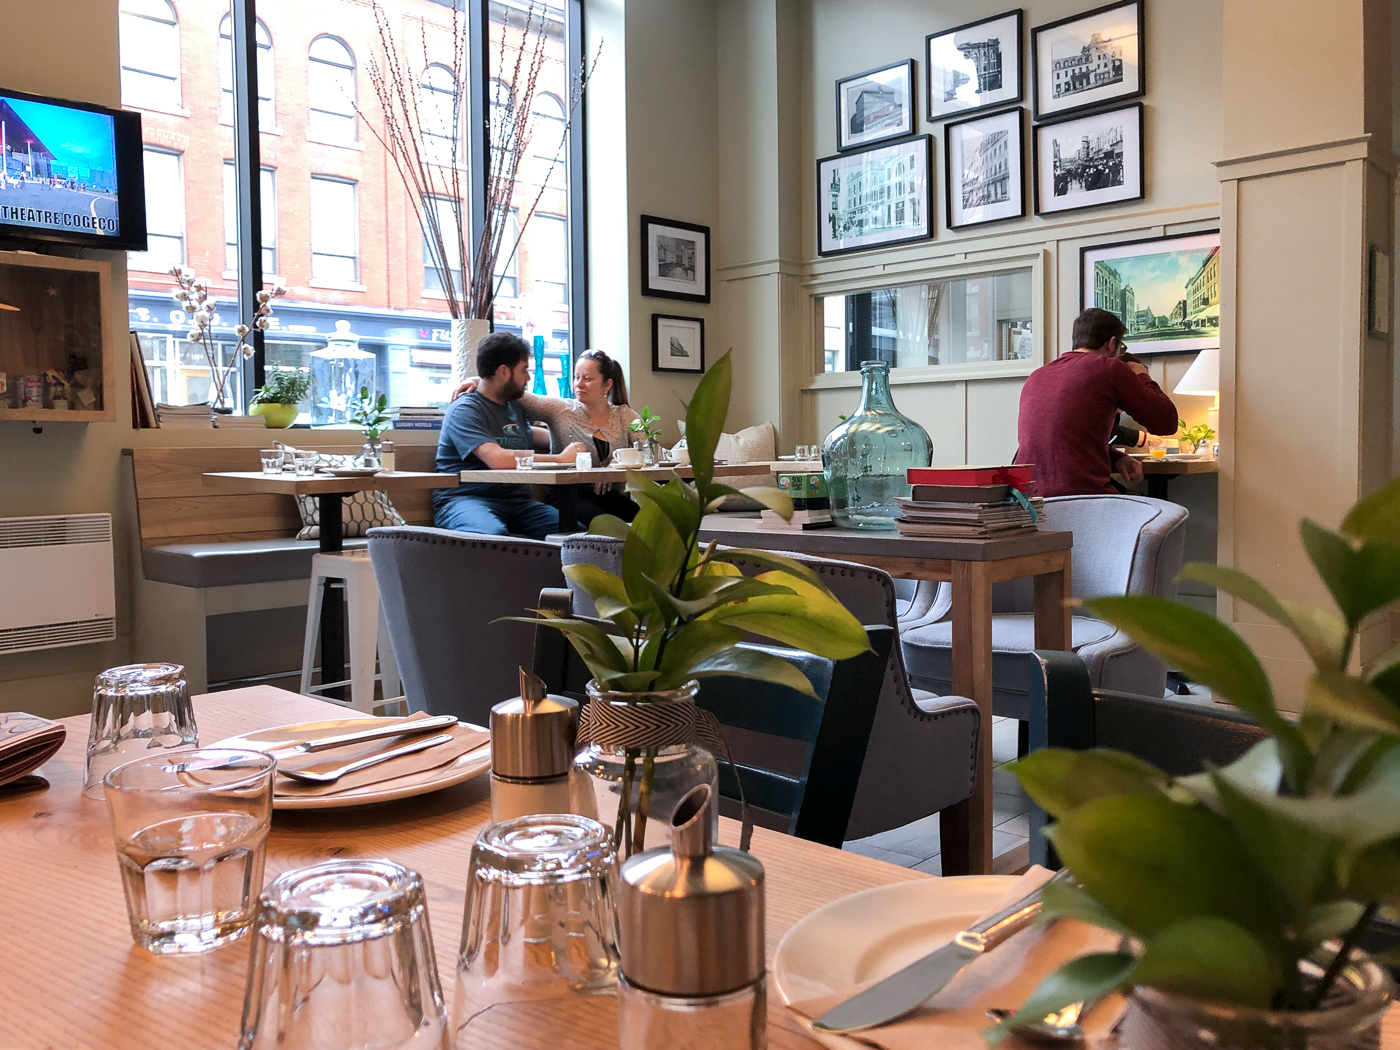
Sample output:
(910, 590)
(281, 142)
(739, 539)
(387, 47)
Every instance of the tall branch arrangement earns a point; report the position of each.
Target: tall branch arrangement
(193, 295)
(408, 132)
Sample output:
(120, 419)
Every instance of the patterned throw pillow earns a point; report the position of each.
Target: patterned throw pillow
(359, 512)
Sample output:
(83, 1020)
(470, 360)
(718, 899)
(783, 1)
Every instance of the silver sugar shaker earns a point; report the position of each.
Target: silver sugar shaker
(532, 752)
(690, 936)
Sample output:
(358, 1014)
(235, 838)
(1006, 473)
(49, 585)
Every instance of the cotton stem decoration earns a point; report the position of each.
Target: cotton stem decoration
(193, 296)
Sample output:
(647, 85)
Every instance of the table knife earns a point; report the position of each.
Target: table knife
(324, 743)
(901, 992)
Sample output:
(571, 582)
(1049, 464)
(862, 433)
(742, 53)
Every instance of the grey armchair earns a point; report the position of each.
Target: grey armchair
(921, 757)
(440, 591)
(1122, 545)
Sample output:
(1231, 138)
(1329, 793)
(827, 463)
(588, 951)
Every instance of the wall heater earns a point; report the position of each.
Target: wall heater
(56, 581)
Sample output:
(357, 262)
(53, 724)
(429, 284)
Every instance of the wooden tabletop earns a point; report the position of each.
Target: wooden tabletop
(73, 979)
(548, 474)
(743, 531)
(317, 484)
(1151, 465)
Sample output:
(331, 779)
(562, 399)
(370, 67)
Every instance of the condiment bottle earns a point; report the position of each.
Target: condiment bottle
(386, 455)
(690, 935)
(532, 752)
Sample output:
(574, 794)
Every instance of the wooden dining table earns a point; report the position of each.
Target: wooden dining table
(71, 978)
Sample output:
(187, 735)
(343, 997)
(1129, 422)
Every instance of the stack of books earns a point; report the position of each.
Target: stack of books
(811, 506)
(224, 422)
(184, 417)
(418, 417)
(966, 503)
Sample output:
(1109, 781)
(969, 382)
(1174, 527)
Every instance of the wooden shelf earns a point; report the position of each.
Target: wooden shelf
(57, 415)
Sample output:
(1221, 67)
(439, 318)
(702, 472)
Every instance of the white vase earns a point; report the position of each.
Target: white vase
(467, 332)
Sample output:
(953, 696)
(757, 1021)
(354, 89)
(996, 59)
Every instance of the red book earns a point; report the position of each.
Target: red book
(1018, 474)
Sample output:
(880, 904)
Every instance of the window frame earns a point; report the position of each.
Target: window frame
(266, 92)
(334, 282)
(311, 108)
(177, 80)
(184, 234)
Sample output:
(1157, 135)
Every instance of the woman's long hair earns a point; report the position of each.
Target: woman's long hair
(608, 369)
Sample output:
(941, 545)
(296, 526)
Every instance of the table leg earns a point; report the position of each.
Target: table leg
(568, 508)
(1052, 613)
(972, 677)
(1157, 485)
(332, 606)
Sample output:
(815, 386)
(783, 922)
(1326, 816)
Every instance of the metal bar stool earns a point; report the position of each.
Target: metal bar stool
(368, 636)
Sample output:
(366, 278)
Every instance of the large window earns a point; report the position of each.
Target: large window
(508, 261)
(150, 54)
(330, 92)
(335, 254)
(165, 213)
(440, 116)
(266, 113)
(549, 257)
(446, 212)
(547, 140)
(269, 220)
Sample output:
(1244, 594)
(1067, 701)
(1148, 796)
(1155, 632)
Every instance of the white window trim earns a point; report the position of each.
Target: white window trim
(342, 286)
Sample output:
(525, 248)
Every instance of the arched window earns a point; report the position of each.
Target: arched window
(439, 116)
(331, 91)
(503, 135)
(150, 54)
(266, 115)
(547, 139)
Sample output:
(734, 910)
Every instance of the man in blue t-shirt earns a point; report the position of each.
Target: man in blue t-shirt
(483, 431)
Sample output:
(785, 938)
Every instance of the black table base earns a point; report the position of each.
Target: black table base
(332, 602)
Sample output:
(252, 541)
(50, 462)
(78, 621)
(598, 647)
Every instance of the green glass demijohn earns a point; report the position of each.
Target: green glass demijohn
(866, 457)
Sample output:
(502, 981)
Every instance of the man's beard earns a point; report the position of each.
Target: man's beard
(513, 391)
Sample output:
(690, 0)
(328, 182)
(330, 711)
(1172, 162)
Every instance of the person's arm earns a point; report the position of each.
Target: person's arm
(1143, 399)
(470, 435)
(495, 457)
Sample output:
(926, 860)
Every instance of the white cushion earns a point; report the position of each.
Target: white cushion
(359, 512)
(751, 445)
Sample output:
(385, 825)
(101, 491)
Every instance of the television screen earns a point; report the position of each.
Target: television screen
(70, 172)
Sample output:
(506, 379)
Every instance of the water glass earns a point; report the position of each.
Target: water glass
(524, 460)
(583, 461)
(191, 834)
(342, 959)
(304, 461)
(271, 460)
(136, 709)
(540, 920)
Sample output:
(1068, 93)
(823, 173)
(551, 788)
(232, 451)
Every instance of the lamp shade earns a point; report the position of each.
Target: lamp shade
(1203, 377)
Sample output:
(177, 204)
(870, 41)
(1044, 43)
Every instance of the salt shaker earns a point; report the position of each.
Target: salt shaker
(690, 935)
(386, 455)
(532, 752)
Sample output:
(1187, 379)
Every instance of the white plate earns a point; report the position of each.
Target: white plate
(464, 767)
(351, 472)
(872, 934)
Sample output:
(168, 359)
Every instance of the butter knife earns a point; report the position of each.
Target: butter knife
(324, 743)
(901, 992)
(330, 772)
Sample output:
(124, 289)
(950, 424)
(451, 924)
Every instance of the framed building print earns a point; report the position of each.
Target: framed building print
(675, 259)
(875, 106)
(1088, 59)
(677, 343)
(984, 161)
(974, 66)
(874, 198)
(1084, 162)
(1166, 290)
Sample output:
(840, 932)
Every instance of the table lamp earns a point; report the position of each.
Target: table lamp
(1203, 378)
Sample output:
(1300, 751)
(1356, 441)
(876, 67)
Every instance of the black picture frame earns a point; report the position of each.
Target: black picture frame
(1140, 154)
(698, 323)
(903, 131)
(651, 286)
(1041, 113)
(937, 112)
(1140, 341)
(1017, 170)
(930, 219)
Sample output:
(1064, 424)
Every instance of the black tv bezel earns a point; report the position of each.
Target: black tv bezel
(131, 184)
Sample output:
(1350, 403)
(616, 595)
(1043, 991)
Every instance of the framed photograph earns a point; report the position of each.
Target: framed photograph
(984, 158)
(974, 66)
(1088, 59)
(1166, 290)
(1083, 162)
(675, 259)
(875, 106)
(877, 197)
(1378, 311)
(677, 343)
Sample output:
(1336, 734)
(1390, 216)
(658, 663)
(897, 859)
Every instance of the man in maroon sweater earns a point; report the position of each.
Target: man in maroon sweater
(1069, 407)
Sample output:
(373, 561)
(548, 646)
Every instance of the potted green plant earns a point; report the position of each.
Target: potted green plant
(675, 615)
(277, 399)
(1240, 893)
(648, 426)
(368, 413)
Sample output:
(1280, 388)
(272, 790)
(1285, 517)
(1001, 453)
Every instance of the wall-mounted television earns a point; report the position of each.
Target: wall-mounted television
(71, 172)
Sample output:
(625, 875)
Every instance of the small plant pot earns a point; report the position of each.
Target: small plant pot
(275, 417)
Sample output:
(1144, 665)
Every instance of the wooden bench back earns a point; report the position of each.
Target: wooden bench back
(174, 506)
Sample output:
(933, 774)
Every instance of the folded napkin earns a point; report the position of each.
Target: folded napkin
(26, 743)
(956, 1018)
(415, 765)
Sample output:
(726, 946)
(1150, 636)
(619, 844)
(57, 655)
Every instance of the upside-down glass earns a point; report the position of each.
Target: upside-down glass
(191, 835)
(136, 708)
(271, 460)
(342, 959)
(304, 462)
(524, 460)
(540, 920)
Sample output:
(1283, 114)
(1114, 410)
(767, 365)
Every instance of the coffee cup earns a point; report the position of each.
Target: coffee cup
(628, 457)
(682, 457)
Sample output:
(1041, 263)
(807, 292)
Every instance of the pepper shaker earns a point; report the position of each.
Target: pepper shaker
(532, 752)
(690, 935)
(387, 455)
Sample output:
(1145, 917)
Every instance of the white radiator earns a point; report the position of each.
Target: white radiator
(56, 581)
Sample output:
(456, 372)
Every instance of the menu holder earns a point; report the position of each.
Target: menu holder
(26, 743)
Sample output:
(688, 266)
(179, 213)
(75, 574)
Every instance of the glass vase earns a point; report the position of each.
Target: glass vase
(632, 790)
(370, 455)
(868, 455)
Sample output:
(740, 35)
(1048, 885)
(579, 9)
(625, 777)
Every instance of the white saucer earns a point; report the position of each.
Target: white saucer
(351, 472)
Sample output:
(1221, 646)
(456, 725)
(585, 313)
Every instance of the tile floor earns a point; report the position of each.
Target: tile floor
(916, 845)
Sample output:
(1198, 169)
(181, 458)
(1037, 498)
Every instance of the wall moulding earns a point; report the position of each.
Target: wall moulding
(1301, 158)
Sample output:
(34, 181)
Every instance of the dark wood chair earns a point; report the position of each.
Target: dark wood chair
(834, 727)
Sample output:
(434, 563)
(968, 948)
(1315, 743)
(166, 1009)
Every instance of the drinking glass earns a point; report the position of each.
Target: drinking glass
(524, 460)
(342, 959)
(191, 834)
(583, 461)
(271, 460)
(305, 461)
(136, 709)
(540, 921)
